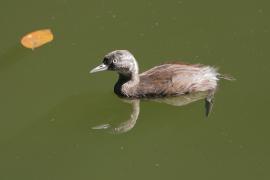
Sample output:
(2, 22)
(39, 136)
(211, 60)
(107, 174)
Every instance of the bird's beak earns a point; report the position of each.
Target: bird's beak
(101, 67)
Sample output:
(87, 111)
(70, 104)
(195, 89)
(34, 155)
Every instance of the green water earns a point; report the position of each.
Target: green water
(50, 103)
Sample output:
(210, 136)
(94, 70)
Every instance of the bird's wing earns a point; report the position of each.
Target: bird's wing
(168, 79)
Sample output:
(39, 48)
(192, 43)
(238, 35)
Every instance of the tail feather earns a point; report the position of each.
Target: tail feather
(226, 77)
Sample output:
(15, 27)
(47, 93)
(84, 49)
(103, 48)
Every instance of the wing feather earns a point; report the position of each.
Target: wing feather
(177, 79)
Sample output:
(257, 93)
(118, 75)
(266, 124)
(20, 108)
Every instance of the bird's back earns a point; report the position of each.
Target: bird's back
(176, 79)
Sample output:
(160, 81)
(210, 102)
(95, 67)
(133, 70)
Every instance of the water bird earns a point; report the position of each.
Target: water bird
(166, 80)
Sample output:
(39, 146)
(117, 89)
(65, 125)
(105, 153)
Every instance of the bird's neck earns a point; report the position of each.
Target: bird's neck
(132, 76)
(126, 85)
(132, 79)
(128, 82)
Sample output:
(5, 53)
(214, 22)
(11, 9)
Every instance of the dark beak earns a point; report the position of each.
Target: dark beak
(101, 67)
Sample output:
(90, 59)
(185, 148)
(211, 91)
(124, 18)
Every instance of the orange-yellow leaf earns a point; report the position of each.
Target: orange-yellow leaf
(37, 38)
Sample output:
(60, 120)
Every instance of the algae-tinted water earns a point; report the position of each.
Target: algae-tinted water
(50, 103)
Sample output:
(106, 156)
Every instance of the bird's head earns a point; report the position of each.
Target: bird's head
(121, 61)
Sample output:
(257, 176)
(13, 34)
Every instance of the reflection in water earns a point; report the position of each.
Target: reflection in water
(183, 100)
(130, 123)
(126, 125)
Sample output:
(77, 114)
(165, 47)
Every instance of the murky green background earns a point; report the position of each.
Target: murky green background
(49, 102)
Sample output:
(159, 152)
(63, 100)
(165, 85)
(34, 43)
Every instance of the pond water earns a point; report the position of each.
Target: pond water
(57, 120)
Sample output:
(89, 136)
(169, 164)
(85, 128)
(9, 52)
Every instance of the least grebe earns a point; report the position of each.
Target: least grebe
(165, 80)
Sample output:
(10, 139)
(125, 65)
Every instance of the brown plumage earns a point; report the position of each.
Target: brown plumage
(176, 79)
(170, 79)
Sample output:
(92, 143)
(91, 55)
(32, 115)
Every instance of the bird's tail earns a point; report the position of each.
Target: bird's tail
(226, 77)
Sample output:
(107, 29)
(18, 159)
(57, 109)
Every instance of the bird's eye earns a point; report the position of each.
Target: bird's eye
(114, 61)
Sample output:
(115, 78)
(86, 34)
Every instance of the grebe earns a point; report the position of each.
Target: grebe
(166, 80)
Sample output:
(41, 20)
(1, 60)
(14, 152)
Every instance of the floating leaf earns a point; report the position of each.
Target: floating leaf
(37, 38)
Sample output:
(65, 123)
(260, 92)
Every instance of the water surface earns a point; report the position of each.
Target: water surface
(50, 103)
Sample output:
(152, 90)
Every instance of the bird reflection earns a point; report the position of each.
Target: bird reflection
(127, 125)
